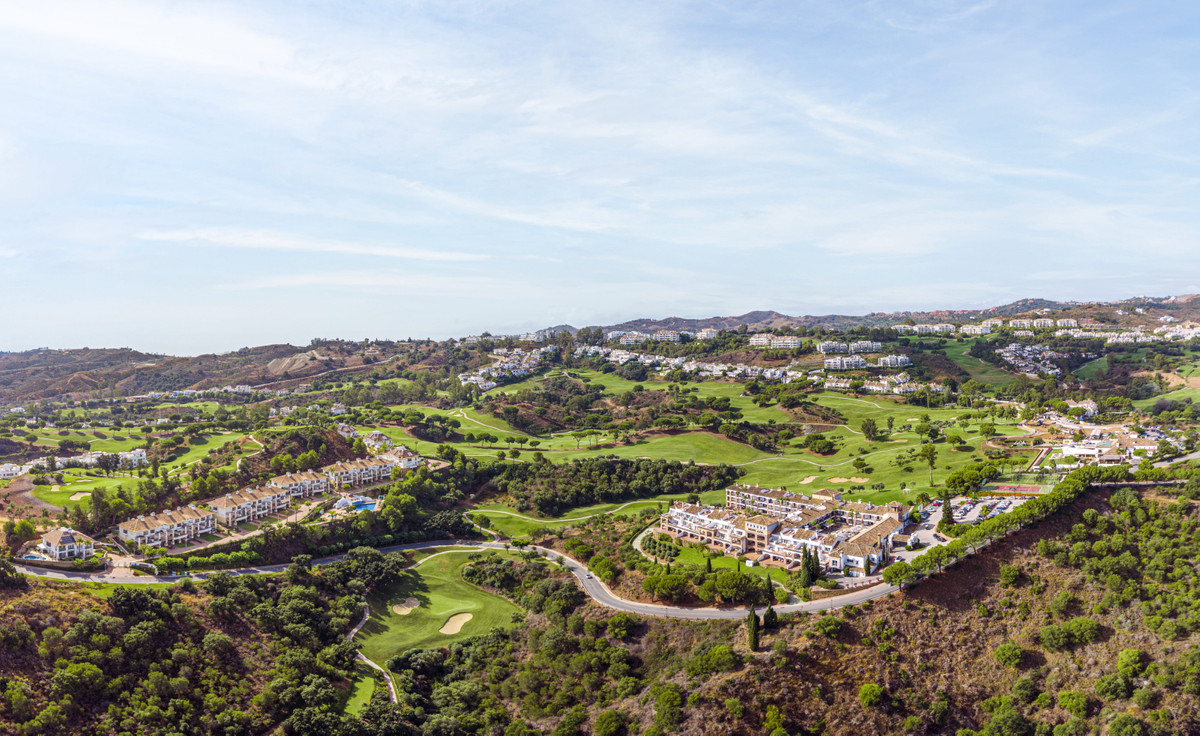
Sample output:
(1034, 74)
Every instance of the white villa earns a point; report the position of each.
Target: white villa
(66, 544)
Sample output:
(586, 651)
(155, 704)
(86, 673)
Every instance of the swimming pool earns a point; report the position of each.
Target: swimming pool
(360, 505)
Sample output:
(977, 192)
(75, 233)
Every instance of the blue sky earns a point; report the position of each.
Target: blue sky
(186, 177)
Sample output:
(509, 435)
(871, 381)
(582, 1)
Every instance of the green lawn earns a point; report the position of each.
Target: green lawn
(1093, 368)
(78, 484)
(1176, 395)
(197, 451)
(438, 585)
(985, 373)
(525, 524)
(690, 556)
(361, 690)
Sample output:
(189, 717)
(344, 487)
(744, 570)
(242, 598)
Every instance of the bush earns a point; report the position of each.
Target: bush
(1009, 654)
(1083, 630)
(1114, 687)
(1054, 637)
(1074, 703)
(710, 658)
(870, 694)
(1126, 725)
(1025, 690)
(1131, 662)
(610, 723)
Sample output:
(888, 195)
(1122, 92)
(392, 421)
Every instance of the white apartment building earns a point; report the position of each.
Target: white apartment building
(168, 528)
(633, 338)
(893, 361)
(706, 334)
(358, 472)
(992, 324)
(828, 347)
(975, 330)
(1042, 324)
(786, 342)
(302, 484)
(761, 340)
(666, 336)
(778, 526)
(249, 504)
(845, 363)
(865, 346)
(1067, 322)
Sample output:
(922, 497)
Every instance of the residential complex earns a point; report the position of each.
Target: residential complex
(767, 340)
(845, 363)
(777, 526)
(358, 472)
(249, 504)
(184, 525)
(168, 528)
(302, 484)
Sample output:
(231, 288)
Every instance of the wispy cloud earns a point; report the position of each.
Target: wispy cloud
(435, 166)
(267, 240)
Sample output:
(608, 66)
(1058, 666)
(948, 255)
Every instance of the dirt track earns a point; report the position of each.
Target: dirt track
(18, 492)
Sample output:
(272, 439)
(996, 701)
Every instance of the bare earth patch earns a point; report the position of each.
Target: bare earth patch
(1173, 380)
(809, 479)
(455, 623)
(80, 495)
(855, 479)
(408, 606)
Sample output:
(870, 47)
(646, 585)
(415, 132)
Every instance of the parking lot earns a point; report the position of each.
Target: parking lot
(966, 512)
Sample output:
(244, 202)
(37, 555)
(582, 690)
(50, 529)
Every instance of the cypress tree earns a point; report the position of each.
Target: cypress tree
(805, 570)
(752, 630)
(770, 618)
(708, 564)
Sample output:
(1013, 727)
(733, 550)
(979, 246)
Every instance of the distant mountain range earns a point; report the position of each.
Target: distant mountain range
(83, 373)
(766, 320)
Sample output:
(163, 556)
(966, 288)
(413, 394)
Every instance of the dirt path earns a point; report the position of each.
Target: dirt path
(19, 492)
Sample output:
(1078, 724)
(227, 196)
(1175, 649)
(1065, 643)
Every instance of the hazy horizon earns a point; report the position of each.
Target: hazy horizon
(188, 177)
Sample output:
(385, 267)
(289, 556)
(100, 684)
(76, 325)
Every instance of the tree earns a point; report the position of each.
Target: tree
(929, 454)
(752, 630)
(899, 574)
(869, 429)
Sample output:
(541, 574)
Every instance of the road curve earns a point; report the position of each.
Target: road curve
(595, 588)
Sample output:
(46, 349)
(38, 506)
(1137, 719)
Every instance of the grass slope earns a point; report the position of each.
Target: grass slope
(438, 585)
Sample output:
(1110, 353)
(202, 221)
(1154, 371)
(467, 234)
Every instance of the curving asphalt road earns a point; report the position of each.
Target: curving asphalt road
(594, 587)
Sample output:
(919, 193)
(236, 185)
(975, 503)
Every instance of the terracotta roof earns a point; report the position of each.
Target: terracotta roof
(61, 536)
(244, 496)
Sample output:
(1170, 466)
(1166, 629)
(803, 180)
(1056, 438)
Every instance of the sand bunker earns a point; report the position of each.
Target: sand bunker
(809, 479)
(848, 480)
(79, 496)
(408, 606)
(912, 420)
(455, 623)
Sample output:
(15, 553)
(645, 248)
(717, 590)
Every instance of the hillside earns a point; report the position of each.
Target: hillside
(90, 373)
